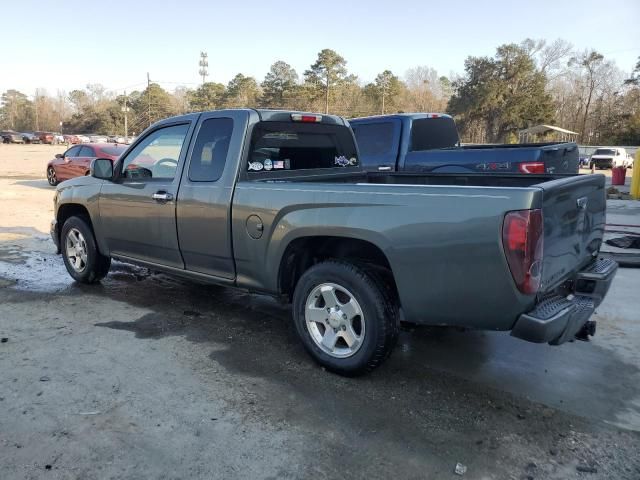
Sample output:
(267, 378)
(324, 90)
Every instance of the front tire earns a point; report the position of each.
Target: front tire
(52, 178)
(345, 317)
(80, 253)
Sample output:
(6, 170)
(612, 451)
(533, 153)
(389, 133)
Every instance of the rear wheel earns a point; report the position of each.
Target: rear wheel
(345, 317)
(52, 178)
(80, 253)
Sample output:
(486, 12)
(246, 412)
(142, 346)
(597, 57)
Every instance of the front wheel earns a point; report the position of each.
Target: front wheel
(345, 317)
(52, 178)
(80, 253)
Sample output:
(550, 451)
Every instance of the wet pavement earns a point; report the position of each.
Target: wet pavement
(147, 376)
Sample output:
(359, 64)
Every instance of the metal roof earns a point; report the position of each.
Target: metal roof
(545, 128)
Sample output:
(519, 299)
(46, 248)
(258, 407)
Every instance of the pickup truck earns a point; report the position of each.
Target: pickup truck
(276, 202)
(429, 142)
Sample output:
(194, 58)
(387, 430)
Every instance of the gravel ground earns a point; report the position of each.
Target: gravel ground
(145, 376)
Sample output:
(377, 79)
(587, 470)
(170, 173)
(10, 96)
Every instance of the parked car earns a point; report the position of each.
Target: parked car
(46, 137)
(84, 139)
(76, 161)
(98, 139)
(29, 137)
(9, 136)
(276, 202)
(429, 142)
(71, 139)
(610, 157)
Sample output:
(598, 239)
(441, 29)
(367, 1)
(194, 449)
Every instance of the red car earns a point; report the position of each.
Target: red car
(76, 161)
(71, 139)
(46, 137)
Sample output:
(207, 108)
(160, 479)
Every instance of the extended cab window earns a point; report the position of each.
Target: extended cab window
(374, 138)
(432, 133)
(157, 155)
(210, 151)
(298, 146)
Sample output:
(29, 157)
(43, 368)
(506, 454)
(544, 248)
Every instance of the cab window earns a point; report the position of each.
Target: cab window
(299, 146)
(210, 151)
(157, 155)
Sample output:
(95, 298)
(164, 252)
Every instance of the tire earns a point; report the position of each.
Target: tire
(80, 253)
(374, 326)
(52, 178)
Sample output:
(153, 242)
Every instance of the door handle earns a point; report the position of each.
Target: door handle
(162, 196)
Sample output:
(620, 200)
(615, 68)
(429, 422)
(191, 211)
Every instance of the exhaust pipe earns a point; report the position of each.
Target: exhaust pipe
(587, 330)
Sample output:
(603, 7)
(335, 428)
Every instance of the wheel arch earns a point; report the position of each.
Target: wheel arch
(304, 252)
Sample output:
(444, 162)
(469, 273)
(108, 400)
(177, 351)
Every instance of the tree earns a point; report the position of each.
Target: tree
(385, 91)
(426, 91)
(242, 92)
(151, 105)
(500, 95)
(208, 96)
(16, 111)
(592, 63)
(328, 71)
(280, 85)
(634, 79)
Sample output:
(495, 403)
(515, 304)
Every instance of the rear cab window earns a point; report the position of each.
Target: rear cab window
(375, 138)
(433, 133)
(282, 146)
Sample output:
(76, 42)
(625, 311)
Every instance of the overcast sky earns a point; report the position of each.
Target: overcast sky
(68, 44)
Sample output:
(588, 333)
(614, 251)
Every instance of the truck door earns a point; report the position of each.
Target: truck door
(206, 192)
(138, 209)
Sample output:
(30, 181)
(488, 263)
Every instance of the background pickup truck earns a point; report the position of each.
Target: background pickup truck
(276, 202)
(429, 142)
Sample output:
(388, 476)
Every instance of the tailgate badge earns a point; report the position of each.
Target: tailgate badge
(582, 203)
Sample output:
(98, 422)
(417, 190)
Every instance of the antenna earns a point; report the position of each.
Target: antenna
(204, 66)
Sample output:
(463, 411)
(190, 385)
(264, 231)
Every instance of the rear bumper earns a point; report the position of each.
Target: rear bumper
(556, 318)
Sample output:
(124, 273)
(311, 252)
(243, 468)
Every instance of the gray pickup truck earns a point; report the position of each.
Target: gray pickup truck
(276, 202)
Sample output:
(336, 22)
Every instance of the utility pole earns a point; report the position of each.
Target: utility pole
(149, 96)
(125, 109)
(326, 93)
(204, 65)
(36, 109)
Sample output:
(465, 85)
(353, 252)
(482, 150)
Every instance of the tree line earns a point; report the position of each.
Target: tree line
(520, 86)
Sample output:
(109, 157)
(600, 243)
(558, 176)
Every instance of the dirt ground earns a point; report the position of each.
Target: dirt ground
(146, 376)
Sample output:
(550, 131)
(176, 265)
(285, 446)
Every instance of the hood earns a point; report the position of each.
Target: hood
(602, 157)
(78, 182)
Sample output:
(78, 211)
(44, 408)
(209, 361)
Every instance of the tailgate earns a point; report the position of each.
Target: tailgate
(560, 158)
(573, 209)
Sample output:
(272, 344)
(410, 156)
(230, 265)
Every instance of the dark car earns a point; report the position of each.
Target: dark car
(9, 136)
(29, 137)
(76, 161)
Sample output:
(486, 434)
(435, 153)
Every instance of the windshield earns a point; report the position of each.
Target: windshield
(604, 151)
(298, 146)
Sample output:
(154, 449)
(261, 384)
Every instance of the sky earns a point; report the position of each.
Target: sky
(68, 44)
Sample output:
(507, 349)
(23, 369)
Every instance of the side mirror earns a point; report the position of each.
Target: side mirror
(59, 155)
(102, 168)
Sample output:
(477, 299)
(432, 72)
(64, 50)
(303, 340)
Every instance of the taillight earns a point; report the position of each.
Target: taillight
(522, 240)
(531, 167)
